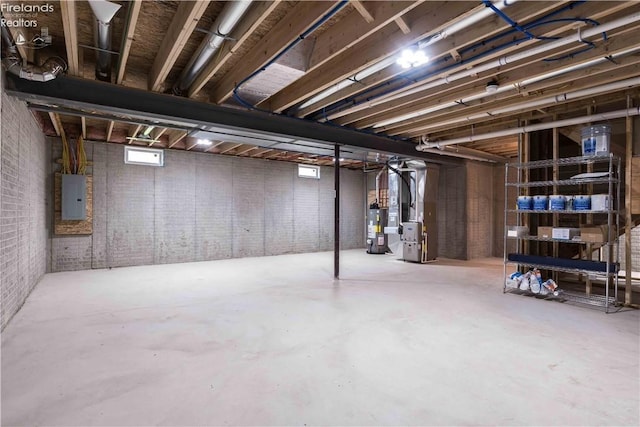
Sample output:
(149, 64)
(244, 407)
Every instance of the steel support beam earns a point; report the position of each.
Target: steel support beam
(114, 100)
(336, 214)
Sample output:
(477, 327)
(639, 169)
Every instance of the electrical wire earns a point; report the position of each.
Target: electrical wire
(82, 156)
(66, 166)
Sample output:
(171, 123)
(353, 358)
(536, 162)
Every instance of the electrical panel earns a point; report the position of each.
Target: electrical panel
(74, 197)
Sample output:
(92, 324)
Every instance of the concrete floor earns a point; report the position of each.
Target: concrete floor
(275, 341)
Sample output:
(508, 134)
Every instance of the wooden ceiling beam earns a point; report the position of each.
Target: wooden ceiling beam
(70, 25)
(296, 22)
(176, 137)
(350, 30)
(416, 127)
(478, 32)
(132, 19)
(57, 123)
(109, 130)
(178, 32)
(133, 132)
(252, 20)
(231, 148)
(214, 146)
(404, 27)
(598, 11)
(509, 74)
(83, 126)
(380, 45)
(362, 10)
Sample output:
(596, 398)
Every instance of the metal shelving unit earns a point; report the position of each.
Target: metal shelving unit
(611, 180)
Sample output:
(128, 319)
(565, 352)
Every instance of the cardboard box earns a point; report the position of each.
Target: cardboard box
(594, 233)
(564, 233)
(517, 231)
(545, 232)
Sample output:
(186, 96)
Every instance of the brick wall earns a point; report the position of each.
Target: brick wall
(24, 218)
(203, 207)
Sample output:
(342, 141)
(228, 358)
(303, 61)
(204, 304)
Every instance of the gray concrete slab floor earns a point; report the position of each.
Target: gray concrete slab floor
(276, 341)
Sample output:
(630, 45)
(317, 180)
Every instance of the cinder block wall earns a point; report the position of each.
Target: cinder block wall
(452, 212)
(24, 219)
(203, 207)
(480, 210)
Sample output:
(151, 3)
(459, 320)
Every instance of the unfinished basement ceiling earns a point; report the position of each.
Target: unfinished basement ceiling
(492, 66)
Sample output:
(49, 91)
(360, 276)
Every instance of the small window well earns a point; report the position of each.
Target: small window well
(307, 171)
(143, 156)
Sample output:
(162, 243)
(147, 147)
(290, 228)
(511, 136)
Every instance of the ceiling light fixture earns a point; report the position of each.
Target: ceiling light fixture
(492, 86)
(412, 58)
(204, 142)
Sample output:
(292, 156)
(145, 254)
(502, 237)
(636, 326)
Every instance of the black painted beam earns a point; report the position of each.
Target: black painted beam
(70, 92)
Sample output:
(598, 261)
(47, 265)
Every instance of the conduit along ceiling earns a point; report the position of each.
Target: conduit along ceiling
(383, 75)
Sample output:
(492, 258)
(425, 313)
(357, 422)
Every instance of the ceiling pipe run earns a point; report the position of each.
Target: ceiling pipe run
(508, 59)
(564, 97)
(441, 35)
(532, 128)
(104, 12)
(218, 33)
(505, 88)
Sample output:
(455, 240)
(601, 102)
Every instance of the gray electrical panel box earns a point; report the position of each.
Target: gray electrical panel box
(74, 197)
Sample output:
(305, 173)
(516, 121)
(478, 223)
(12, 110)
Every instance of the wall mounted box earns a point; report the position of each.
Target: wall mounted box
(74, 197)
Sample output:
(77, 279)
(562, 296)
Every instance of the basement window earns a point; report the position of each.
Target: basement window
(307, 171)
(143, 156)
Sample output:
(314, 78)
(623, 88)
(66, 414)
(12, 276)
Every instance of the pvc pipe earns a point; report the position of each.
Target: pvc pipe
(568, 96)
(505, 88)
(507, 59)
(465, 23)
(635, 111)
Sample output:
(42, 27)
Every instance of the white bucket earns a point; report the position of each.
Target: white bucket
(596, 140)
(599, 202)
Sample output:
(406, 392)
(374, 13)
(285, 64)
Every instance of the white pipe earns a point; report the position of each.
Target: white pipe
(378, 185)
(635, 111)
(501, 89)
(507, 59)
(465, 23)
(568, 96)
(223, 25)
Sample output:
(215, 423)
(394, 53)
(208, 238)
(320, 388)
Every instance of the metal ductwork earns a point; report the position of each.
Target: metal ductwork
(13, 62)
(223, 25)
(49, 70)
(104, 12)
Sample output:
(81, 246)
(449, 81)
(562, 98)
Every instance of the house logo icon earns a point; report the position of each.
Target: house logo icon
(20, 40)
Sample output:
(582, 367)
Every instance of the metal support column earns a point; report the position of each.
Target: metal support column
(627, 206)
(336, 214)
